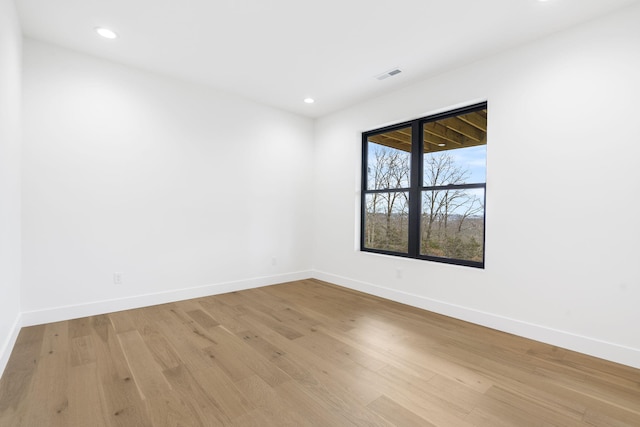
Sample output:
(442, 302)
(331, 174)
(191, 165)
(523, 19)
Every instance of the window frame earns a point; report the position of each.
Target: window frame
(416, 188)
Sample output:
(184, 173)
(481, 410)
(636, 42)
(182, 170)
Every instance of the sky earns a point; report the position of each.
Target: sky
(474, 159)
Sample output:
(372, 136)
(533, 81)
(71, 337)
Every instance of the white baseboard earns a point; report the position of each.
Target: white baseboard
(7, 345)
(56, 314)
(582, 344)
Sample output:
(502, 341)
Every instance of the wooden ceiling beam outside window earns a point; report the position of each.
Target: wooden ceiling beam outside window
(399, 139)
(477, 119)
(455, 124)
(445, 134)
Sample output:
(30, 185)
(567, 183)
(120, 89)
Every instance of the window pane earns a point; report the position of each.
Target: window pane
(452, 224)
(455, 150)
(386, 221)
(461, 166)
(389, 160)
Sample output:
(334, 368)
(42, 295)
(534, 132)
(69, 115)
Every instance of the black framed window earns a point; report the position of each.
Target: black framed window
(424, 188)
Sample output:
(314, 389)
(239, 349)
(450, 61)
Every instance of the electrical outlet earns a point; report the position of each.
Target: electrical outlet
(398, 273)
(274, 261)
(117, 278)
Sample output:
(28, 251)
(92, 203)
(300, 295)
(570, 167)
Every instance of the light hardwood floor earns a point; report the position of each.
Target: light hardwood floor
(304, 353)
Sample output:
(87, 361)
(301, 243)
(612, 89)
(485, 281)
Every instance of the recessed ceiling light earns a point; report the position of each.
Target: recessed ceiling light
(106, 33)
(309, 100)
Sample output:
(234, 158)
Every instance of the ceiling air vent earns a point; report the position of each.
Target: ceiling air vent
(389, 73)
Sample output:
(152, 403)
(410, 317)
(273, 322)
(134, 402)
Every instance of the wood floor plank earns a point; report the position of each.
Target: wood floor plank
(123, 321)
(268, 319)
(79, 327)
(276, 410)
(304, 353)
(427, 404)
(224, 391)
(165, 355)
(15, 385)
(399, 415)
(204, 408)
(170, 410)
(280, 309)
(313, 410)
(606, 416)
(330, 385)
(226, 315)
(81, 350)
(146, 372)
(529, 408)
(256, 418)
(204, 348)
(203, 319)
(122, 403)
(85, 397)
(50, 386)
(315, 372)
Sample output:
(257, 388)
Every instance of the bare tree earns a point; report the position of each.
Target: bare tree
(440, 169)
(440, 206)
(445, 212)
(390, 170)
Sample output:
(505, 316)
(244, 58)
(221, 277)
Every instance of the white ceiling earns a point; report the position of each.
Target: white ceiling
(278, 52)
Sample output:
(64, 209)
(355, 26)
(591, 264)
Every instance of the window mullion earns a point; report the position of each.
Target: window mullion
(363, 188)
(414, 190)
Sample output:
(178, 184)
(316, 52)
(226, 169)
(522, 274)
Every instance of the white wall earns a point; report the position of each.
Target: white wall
(184, 190)
(563, 180)
(10, 77)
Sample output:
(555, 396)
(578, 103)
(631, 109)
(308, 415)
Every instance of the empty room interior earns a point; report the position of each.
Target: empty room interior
(248, 213)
